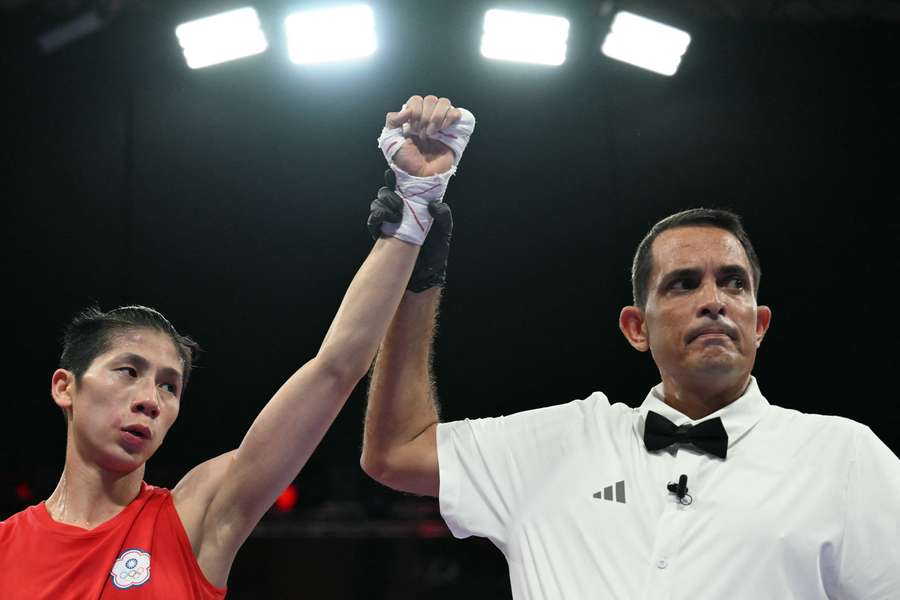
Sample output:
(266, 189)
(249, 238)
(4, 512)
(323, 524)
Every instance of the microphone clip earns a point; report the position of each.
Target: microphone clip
(680, 489)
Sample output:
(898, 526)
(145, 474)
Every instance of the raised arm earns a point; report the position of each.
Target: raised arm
(400, 439)
(221, 501)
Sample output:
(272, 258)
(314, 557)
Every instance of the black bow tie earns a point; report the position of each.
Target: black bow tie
(709, 436)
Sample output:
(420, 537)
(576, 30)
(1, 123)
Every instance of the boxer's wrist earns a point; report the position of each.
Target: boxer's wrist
(408, 218)
(417, 193)
(430, 188)
(415, 223)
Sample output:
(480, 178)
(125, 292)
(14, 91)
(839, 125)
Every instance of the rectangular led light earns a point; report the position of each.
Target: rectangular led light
(221, 38)
(330, 35)
(645, 43)
(524, 37)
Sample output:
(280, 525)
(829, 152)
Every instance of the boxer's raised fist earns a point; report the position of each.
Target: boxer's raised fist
(420, 154)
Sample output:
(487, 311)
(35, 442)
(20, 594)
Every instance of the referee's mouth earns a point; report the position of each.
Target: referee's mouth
(711, 331)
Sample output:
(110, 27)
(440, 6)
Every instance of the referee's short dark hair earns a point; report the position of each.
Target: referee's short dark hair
(93, 331)
(703, 217)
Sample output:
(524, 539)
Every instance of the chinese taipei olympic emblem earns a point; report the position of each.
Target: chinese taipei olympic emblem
(131, 569)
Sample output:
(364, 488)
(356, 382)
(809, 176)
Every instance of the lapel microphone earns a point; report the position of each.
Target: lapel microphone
(680, 489)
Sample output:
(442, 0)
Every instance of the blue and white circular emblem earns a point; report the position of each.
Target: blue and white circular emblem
(131, 569)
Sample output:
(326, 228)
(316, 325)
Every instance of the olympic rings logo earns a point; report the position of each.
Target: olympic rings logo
(132, 568)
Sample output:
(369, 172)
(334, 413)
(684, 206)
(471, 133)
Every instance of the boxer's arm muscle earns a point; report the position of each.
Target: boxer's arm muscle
(400, 441)
(222, 500)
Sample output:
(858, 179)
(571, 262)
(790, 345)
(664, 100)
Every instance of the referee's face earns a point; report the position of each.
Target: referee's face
(701, 322)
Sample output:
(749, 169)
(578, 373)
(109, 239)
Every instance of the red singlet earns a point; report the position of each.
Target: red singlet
(141, 553)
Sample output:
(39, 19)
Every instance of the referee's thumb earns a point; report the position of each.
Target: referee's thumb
(442, 215)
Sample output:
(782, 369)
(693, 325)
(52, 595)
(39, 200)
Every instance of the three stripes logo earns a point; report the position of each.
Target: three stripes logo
(607, 493)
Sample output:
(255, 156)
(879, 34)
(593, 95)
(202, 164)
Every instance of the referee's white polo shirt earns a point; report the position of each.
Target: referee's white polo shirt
(805, 506)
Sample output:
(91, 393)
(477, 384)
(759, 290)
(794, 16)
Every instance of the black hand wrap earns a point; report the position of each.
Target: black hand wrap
(431, 266)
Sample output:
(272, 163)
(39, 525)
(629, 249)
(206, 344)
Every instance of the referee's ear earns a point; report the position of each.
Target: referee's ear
(634, 327)
(763, 320)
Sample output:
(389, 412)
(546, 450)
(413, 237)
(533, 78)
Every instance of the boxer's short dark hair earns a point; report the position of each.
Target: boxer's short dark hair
(93, 332)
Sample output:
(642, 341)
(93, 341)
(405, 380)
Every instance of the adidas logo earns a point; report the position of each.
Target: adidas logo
(607, 493)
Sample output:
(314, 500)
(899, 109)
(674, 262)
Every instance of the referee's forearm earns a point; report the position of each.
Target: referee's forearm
(401, 403)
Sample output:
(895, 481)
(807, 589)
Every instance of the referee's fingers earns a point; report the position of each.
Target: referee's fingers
(390, 179)
(389, 201)
(442, 215)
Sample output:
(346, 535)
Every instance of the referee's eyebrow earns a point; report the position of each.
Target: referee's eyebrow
(697, 273)
(686, 273)
(732, 270)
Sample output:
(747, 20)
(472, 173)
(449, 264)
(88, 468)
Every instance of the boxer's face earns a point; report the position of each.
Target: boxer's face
(701, 318)
(126, 401)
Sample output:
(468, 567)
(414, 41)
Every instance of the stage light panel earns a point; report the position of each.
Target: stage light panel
(221, 38)
(524, 37)
(329, 35)
(645, 43)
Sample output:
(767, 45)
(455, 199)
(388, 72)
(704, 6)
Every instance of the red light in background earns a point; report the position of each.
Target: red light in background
(431, 528)
(23, 491)
(287, 500)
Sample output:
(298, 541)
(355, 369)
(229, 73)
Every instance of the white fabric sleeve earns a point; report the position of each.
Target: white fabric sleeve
(489, 467)
(870, 552)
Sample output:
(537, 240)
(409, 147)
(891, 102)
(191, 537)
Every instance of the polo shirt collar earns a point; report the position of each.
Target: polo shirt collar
(738, 418)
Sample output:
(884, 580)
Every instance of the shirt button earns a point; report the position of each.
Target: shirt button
(662, 564)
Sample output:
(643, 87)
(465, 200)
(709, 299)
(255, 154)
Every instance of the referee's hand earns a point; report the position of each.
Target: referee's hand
(387, 206)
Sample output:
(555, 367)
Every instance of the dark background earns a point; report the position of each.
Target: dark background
(234, 199)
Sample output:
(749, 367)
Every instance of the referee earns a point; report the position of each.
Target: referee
(706, 491)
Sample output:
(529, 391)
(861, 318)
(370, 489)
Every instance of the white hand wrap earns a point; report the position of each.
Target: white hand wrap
(418, 192)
